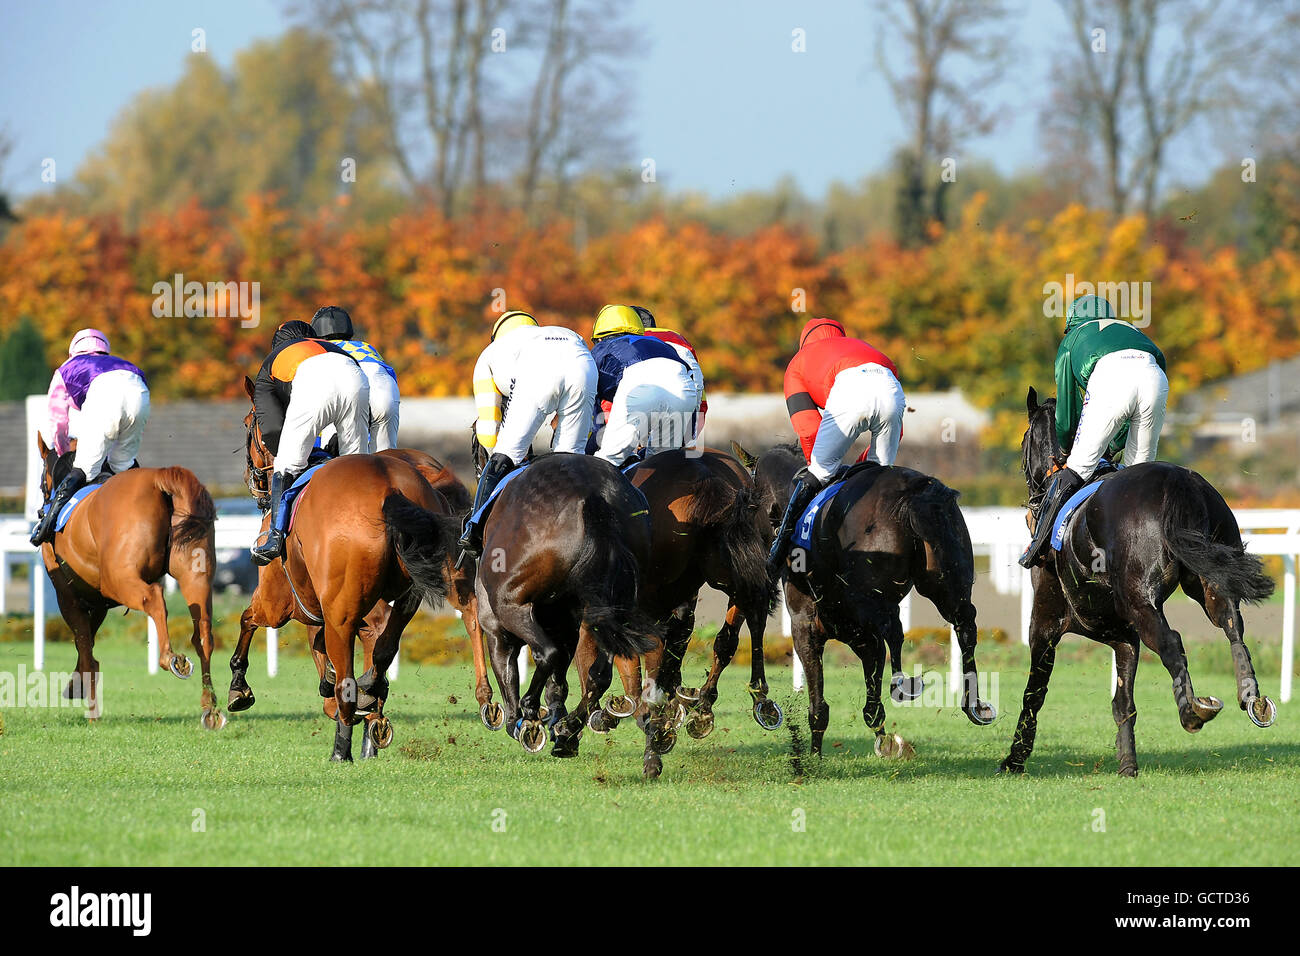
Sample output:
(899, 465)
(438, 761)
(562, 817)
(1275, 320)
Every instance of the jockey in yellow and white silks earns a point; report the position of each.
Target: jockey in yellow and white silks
(334, 324)
(528, 374)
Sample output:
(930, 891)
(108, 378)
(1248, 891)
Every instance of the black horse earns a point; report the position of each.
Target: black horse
(563, 551)
(887, 530)
(1147, 530)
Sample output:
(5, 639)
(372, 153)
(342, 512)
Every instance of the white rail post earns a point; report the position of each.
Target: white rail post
(37, 578)
(1288, 626)
(905, 612)
(392, 668)
(4, 584)
(272, 651)
(1026, 604)
(153, 646)
(523, 668)
(1114, 676)
(787, 629)
(954, 668)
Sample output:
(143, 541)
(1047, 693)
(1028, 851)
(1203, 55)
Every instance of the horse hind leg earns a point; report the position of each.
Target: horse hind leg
(151, 599)
(195, 584)
(1225, 614)
(1123, 708)
(1193, 712)
(85, 623)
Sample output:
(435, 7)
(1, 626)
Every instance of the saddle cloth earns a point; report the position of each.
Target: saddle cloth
(1071, 506)
(803, 531)
(289, 500)
(478, 516)
(77, 498)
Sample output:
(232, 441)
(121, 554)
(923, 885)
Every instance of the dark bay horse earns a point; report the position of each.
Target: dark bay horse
(1147, 530)
(565, 548)
(367, 529)
(887, 530)
(114, 551)
(705, 529)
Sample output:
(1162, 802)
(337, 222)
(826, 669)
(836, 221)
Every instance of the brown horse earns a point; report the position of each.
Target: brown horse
(705, 529)
(272, 605)
(114, 551)
(366, 530)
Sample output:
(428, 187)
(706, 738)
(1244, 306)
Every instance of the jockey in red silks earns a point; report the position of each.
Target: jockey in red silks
(836, 388)
(112, 399)
(686, 351)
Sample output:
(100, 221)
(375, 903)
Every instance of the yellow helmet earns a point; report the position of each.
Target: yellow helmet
(615, 320)
(511, 320)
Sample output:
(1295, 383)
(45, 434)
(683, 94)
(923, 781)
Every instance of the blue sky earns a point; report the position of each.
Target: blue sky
(722, 103)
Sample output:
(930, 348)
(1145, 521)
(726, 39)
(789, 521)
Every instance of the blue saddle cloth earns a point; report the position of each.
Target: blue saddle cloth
(285, 511)
(77, 498)
(478, 516)
(1071, 506)
(803, 530)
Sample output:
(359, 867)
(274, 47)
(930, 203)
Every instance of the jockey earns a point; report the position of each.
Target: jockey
(113, 400)
(1120, 374)
(527, 374)
(686, 351)
(334, 324)
(836, 388)
(645, 388)
(304, 385)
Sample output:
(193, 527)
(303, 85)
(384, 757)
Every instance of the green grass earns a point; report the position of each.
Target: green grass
(125, 789)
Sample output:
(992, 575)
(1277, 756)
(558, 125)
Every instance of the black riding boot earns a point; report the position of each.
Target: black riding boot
(273, 546)
(471, 539)
(44, 529)
(806, 487)
(1064, 484)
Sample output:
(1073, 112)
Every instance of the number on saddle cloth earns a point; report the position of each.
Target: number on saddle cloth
(77, 498)
(803, 530)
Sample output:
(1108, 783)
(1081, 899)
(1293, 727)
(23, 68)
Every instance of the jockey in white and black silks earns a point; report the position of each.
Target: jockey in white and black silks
(304, 386)
(112, 399)
(1111, 392)
(527, 375)
(335, 325)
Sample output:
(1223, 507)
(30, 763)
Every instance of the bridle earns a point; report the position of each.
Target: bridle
(1037, 485)
(257, 479)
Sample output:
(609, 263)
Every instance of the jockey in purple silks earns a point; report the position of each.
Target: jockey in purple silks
(113, 401)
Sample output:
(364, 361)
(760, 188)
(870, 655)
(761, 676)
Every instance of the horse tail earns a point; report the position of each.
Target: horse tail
(720, 505)
(930, 509)
(1225, 565)
(194, 514)
(606, 575)
(422, 541)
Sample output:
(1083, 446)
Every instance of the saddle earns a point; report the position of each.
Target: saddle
(808, 528)
(78, 496)
(1105, 470)
(288, 501)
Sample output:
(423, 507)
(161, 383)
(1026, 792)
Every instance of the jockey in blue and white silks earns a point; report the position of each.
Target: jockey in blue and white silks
(335, 324)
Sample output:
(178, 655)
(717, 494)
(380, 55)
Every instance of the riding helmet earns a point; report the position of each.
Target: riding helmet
(331, 322)
(617, 320)
(818, 329)
(647, 317)
(291, 331)
(511, 320)
(88, 341)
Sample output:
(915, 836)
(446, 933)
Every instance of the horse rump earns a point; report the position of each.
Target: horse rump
(423, 542)
(1225, 565)
(930, 509)
(194, 514)
(605, 578)
(717, 504)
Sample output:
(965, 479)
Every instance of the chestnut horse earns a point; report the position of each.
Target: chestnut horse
(565, 548)
(705, 529)
(887, 529)
(114, 551)
(1147, 530)
(366, 529)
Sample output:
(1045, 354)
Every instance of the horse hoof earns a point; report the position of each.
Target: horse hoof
(700, 724)
(903, 688)
(212, 719)
(982, 714)
(532, 736)
(493, 717)
(181, 666)
(598, 721)
(1008, 769)
(688, 695)
(652, 767)
(326, 688)
(381, 731)
(239, 701)
(1262, 712)
(566, 745)
(621, 706)
(1204, 710)
(1128, 771)
(663, 739)
(679, 717)
(893, 747)
(340, 758)
(767, 713)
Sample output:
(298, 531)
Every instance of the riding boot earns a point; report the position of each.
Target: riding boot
(1064, 484)
(806, 487)
(44, 529)
(273, 546)
(471, 539)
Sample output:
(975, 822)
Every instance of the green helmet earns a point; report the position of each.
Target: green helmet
(1086, 308)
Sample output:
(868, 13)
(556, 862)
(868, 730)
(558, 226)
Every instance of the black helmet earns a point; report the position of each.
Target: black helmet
(647, 317)
(290, 331)
(331, 322)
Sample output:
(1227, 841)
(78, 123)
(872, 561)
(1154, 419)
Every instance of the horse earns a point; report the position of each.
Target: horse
(887, 530)
(1147, 530)
(118, 544)
(387, 543)
(705, 530)
(272, 605)
(565, 550)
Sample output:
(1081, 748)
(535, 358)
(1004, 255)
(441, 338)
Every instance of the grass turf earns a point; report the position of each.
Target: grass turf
(145, 785)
